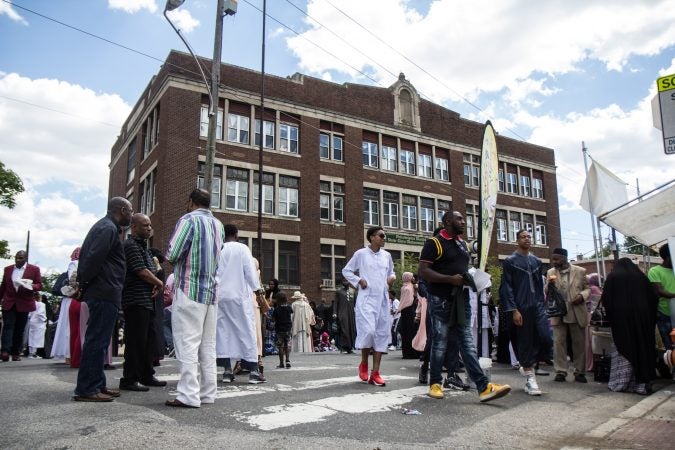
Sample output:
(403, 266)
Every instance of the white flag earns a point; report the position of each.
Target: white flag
(606, 189)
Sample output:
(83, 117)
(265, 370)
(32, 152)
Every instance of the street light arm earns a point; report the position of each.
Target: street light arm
(208, 87)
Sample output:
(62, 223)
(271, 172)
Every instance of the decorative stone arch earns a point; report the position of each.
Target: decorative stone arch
(406, 104)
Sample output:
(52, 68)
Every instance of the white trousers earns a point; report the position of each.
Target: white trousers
(194, 339)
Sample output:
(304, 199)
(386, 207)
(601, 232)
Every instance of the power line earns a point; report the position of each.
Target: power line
(58, 111)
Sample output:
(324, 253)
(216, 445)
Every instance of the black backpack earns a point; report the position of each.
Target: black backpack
(61, 281)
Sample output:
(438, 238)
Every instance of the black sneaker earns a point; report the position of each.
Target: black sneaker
(228, 377)
(560, 377)
(256, 378)
(455, 383)
(424, 374)
(580, 378)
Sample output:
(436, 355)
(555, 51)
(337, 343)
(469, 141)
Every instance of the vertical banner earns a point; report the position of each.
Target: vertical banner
(489, 185)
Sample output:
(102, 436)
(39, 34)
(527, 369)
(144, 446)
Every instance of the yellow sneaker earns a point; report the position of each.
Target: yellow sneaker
(494, 391)
(436, 391)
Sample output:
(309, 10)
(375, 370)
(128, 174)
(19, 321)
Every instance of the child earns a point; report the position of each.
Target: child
(282, 326)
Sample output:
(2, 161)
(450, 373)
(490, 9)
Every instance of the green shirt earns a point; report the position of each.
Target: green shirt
(666, 277)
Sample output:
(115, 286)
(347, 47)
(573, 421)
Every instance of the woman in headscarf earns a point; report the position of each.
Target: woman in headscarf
(61, 345)
(591, 303)
(630, 302)
(407, 325)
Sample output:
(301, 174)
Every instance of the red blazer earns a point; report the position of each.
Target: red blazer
(23, 298)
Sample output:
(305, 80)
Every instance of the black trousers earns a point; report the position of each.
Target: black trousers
(139, 340)
(13, 327)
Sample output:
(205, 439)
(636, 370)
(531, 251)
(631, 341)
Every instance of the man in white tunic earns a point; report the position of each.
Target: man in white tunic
(373, 320)
(235, 330)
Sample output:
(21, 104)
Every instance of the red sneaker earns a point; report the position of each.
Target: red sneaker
(363, 372)
(376, 379)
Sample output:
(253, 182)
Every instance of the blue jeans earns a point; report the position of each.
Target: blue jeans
(102, 318)
(664, 325)
(168, 334)
(450, 341)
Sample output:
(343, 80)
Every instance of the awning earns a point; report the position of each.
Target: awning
(650, 218)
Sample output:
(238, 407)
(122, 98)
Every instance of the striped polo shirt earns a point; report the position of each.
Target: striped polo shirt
(194, 249)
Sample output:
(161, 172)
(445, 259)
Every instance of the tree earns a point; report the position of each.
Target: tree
(630, 245)
(4, 250)
(10, 186)
(494, 268)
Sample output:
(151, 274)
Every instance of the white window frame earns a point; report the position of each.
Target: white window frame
(240, 125)
(442, 171)
(407, 158)
(389, 158)
(424, 166)
(390, 214)
(371, 210)
(204, 123)
(540, 234)
(427, 220)
(525, 185)
(502, 229)
(268, 198)
(409, 217)
(268, 137)
(238, 190)
(370, 154)
(537, 188)
(288, 199)
(324, 154)
(511, 183)
(289, 138)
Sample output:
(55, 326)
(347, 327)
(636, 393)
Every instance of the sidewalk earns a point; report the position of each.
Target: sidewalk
(649, 424)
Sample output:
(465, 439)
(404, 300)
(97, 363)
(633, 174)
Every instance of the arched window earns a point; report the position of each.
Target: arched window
(405, 101)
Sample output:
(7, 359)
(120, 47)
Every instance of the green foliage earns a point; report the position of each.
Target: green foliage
(409, 264)
(494, 268)
(10, 186)
(606, 251)
(630, 245)
(4, 250)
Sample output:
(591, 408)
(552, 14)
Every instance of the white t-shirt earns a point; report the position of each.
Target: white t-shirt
(394, 308)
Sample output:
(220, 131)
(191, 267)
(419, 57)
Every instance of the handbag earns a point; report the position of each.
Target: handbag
(599, 316)
(557, 306)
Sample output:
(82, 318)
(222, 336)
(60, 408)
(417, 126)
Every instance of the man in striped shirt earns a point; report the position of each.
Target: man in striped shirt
(194, 249)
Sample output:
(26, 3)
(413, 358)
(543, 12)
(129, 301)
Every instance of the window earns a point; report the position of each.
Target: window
(288, 196)
(216, 183)
(514, 225)
(155, 126)
(427, 220)
(371, 206)
(424, 166)
(442, 172)
(267, 193)
(369, 154)
(237, 189)
(540, 237)
(528, 223)
(148, 188)
(471, 218)
(288, 141)
(145, 134)
(332, 262)
(390, 209)
(289, 257)
(501, 180)
(409, 212)
(525, 185)
(325, 147)
(502, 233)
(268, 132)
(331, 201)
(131, 161)
(389, 158)
(511, 183)
(471, 170)
(443, 207)
(337, 149)
(537, 188)
(267, 269)
(237, 128)
(408, 162)
(204, 123)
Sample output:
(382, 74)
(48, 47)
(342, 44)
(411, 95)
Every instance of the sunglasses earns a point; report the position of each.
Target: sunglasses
(382, 235)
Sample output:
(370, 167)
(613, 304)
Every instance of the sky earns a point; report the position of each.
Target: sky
(549, 73)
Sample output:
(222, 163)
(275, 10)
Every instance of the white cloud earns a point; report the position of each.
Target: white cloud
(279, 31)
(53, 135)
(6, 8)
(133, 6)
(510, 40)
(183, 20)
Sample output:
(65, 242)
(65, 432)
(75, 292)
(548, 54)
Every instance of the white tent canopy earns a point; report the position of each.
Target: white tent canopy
(650, 218)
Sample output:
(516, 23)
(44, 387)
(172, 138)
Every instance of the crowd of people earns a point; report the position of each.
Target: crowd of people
(444, 315)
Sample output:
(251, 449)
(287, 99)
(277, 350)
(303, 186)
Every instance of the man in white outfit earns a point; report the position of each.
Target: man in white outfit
(373, 318)
(236, 328)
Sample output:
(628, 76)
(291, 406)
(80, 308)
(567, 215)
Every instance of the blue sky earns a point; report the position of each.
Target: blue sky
(552, 73)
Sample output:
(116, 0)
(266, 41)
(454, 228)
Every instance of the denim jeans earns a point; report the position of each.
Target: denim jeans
(102, 318)
(450, 341)
(168, 334)
(664, 325)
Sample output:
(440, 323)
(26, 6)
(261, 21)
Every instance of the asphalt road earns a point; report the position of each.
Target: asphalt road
(319, 402)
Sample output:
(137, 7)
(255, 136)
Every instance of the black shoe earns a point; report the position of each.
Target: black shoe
(228, 377)
(541, 372)
(580, 378)
(424, 374)
(154, 382)
(109, 367)
(455, 383)
(135, 386)
(561, 377)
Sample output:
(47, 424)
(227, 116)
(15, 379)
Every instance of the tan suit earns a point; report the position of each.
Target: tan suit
(571, 282)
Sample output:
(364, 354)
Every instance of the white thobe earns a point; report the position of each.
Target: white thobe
(61, 344)
(485, 320)
(37, 321)
(373, 319)
(301, 330)
(237, 279)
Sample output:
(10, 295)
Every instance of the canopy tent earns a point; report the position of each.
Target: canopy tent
(650, 218)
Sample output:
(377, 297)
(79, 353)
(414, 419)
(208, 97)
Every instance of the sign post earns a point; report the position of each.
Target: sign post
(666, 89)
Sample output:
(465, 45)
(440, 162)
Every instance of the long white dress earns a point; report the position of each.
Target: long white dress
(61, 344)
(235, 328)
(37, 325)
(373, 320)
(303, 318)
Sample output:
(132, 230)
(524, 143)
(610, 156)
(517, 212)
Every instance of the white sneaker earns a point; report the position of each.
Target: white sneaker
(391, 348)
(531, 386)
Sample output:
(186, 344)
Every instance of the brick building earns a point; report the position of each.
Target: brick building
(337, 159)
